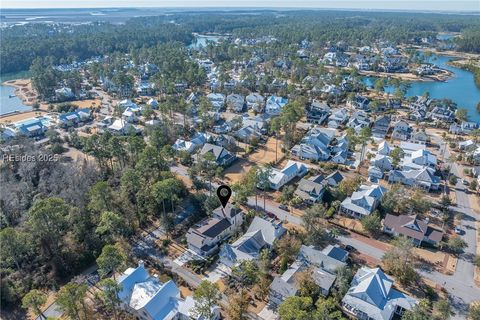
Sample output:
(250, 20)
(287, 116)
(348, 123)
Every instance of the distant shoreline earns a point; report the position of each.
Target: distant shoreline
(427, 9)
(23, 90)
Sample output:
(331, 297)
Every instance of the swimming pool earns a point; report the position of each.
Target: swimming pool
(44, 120)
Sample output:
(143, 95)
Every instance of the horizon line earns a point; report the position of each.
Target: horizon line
(256, 8)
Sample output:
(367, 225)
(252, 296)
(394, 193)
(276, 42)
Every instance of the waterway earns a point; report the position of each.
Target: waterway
(202, 40)
(460, 88)
(8, 104)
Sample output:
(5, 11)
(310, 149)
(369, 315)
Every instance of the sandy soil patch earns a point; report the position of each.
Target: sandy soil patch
(23, 90)
(51, 297)
(185, 292)
(262, 155)
(457, 54)
(76, 154)
(477, 270)
(221, 285)
(256, 306)
(20, 116)
(348, 223)
(441, 76)
(266, 153)
(443, 261)
(88, 103)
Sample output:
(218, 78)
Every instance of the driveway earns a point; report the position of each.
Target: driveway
(219, 271)
(272, 207)
(460, 285)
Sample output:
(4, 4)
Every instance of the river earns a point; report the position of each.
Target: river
(460, 88)
(8, 104)
(202, 40)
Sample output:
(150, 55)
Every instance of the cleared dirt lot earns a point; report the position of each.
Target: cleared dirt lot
(263, 155)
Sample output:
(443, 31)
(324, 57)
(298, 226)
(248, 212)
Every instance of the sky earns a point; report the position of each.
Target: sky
(422, 5)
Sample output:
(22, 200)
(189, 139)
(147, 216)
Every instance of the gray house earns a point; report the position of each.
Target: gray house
(204, 237)
(381, 126)
(221, 155)
(312, 189)
(321, 265)
(415, 229)
(260, 234)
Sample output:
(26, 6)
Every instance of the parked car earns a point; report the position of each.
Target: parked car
(465, 182)
(350, 248)
(458, 230)
(284, 207)
(271, 215)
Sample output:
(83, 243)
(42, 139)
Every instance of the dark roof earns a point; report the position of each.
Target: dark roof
(214, 227)
(336, 176)
(412, 227)
(336, 253)
(310, 186)
(318, 178)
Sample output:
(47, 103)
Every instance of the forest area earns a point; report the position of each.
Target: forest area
(58, 216)
(66, 43)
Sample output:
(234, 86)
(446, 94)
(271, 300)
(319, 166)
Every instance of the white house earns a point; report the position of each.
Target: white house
(129, 115)
(321, 265)
(121, 127)
(260, 234)
(358, 121)
(255, 101)
(382, 162)
(372, 297)
(217, 100)
(147, 298)
(363, 201)
(340, 157)
(197, 141)
(235, 102)
(375, 172)
(401, 131)
(409, 147)
(315, 145)
(424, 177)
(418, 159)
(311, 190)
(126, 103)
(275, 105)
(293, 169)
(337, 118)
(384, 148)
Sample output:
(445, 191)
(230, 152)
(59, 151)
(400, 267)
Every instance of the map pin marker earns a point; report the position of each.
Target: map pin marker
(224, 192)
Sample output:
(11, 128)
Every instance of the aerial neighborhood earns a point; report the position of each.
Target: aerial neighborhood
(354, 179)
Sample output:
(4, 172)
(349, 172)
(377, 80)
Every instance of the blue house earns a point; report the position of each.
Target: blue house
(33, 129)
(72, 118)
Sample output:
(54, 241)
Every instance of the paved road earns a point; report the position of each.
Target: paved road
(146, 246)
(460, 285)
(51, 312)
